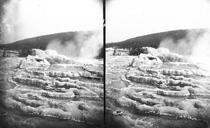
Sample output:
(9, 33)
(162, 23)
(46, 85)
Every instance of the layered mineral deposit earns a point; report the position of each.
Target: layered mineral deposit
(46, 86)
(157, 89)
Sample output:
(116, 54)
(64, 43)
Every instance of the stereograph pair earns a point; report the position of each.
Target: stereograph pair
(104, 64)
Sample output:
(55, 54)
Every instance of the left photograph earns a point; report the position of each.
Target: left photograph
(51, 64)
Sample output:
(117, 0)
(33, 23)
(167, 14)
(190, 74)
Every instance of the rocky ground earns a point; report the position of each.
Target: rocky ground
(157, 89)
(46, 89)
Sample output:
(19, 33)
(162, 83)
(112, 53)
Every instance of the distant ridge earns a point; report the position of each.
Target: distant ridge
(41, 42)
(153, 40)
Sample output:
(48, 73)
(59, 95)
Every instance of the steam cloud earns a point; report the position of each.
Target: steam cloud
(29, 18)
(185, 45)
(200, 52)
(195, 46)
(85, 45)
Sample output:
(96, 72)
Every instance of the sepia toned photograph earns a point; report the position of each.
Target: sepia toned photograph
(157, 64)
(51, 64)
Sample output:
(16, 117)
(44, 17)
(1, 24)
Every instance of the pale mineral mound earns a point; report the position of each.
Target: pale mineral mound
(51, 56)
(48, 85)
(157, 89)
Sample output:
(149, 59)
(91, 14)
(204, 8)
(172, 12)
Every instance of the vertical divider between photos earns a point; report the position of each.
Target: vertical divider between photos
(104, 67)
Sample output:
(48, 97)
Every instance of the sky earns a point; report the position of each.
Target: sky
(29, 18)
(124, 18)
(130, 18)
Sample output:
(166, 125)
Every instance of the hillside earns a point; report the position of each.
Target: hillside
(41, 42)
(153, 40)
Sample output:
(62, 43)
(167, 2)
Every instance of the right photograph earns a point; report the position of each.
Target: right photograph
(157, 64)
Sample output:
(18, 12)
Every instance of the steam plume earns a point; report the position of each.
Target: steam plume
(29, 18)
(185, 45)
(85, 45)
(195, 46)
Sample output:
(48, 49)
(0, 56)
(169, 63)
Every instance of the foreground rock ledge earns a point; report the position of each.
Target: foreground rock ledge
(156, 89)
(46, 84)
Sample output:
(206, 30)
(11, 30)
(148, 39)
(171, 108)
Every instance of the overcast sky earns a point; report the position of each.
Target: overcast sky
(29, 18)
(124, 18)
(130, 18)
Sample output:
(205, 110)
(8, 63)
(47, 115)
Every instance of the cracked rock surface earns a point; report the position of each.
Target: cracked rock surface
(156, 89)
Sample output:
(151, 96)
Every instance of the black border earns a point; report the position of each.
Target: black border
(104, 43)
